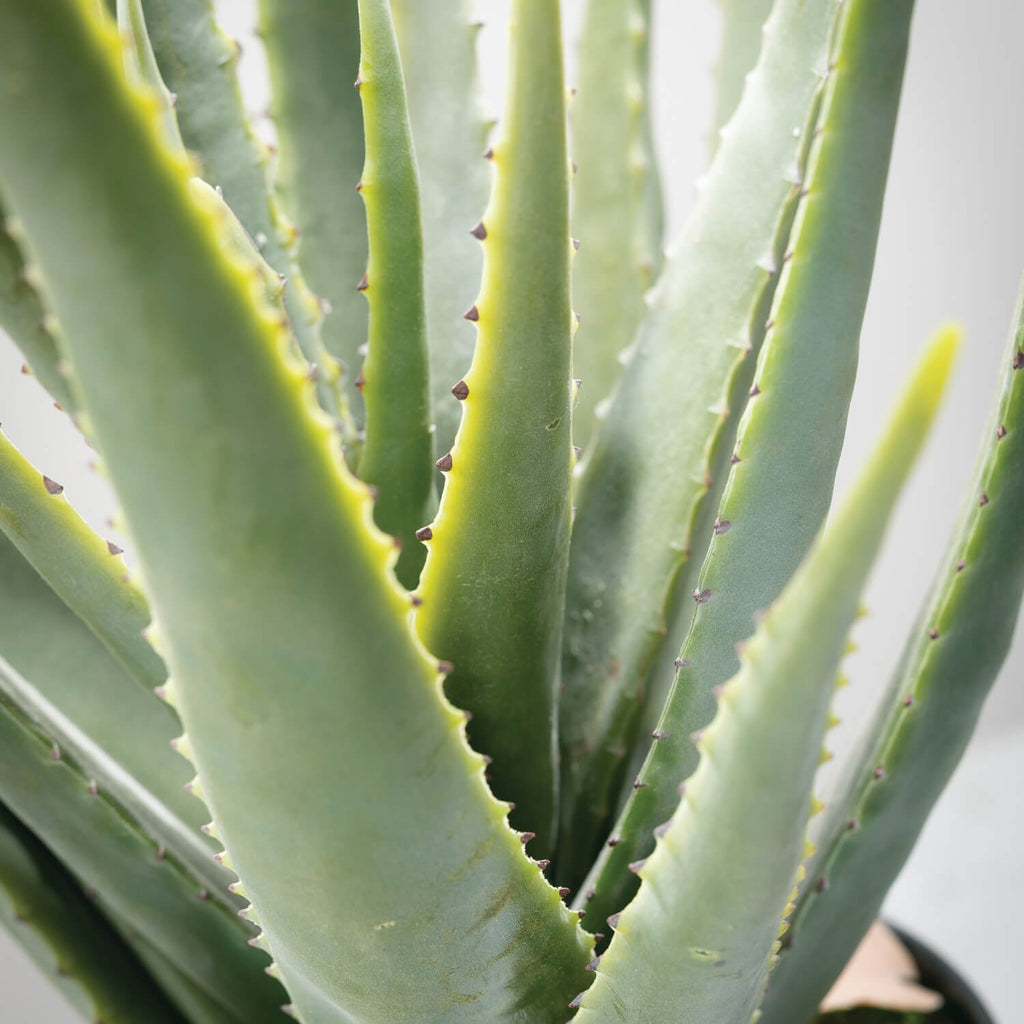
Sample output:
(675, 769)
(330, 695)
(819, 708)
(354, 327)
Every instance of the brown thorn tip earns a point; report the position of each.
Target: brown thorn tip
(933, 634)
(563, 891)
(525, 837)
(363, 284)
(416, 600)
(682, 663)
(590, 894)
(444, 463)
(1001, 432)
(960, 565)
(614, 841)
(659, 734)
(722, 526)
(822, 884)
(480, 231)
(638, 784)
(1018, 359)
(613, 919)
(424, 533)
(461, 390)
(879, 772)
(360, 381)
(577, 1002)
(358, 82)
(445, 668)
(592, 966)
(113, 548)
(908, 700)
(543, 864)
(359, 185)
(701, 596)
(582, 914)
(637, 866)
(983, 500)
(576, 244)
(755, 390)
(488, 154)
(472, 314)
(52, 487)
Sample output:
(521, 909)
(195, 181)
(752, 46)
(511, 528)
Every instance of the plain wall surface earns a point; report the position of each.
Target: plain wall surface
(951, 247)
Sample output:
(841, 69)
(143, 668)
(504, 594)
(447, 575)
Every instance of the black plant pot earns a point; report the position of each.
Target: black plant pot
(962, 1006)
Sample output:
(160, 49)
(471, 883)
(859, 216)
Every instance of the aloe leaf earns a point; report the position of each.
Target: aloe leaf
(742, 30)
(791, 433)
(195, 1004)
(199, 65)
(313, 54)
(140, 62)
(492, 604)
(438, 45)
(652, 210)
(122, 842)
(84, 570)
(23, 317)
(396, 456)
(226, 471)
(50, 916)
(637, 506)
(697, 941)
(612, 270)
(948, 665)
(42, 639)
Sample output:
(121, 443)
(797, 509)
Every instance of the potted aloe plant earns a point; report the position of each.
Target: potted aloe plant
(501, 697)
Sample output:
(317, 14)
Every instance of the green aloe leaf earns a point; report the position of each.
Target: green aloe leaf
(438, 44)
(742, 31)
(313, 54)
(395, 378)
(638, 504)
(934, 697)
(50, 916)
(697, 942)
(492, 603)
(23, 317)
(82, 568)
(610, 133)
(123, 843)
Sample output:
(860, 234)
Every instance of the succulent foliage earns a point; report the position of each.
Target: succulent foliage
(453, 724)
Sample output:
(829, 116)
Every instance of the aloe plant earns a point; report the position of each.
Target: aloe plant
(477, 730)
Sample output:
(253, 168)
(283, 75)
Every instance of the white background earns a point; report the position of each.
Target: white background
(952, 247)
